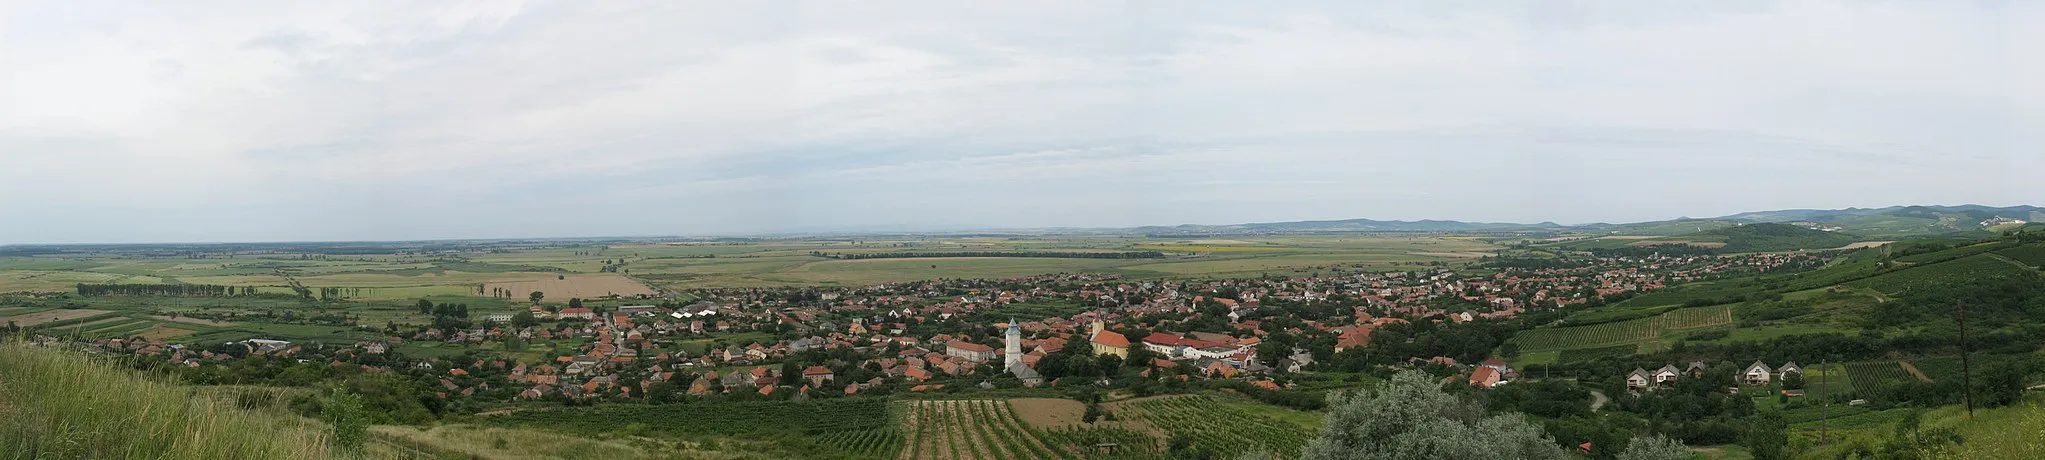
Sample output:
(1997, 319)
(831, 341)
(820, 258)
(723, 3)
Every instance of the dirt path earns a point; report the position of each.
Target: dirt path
(1912, 369)
(2010, 261)
(1598, 400)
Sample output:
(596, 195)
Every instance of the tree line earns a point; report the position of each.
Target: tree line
(1042, 254)
(176, 290)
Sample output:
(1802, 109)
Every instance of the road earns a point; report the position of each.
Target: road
(1598, 400)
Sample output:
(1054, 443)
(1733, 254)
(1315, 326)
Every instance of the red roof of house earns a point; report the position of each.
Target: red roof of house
(1112, 339)
(816, 370)
(1484, 377)
(970, 346)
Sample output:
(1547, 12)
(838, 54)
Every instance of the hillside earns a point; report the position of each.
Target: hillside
(1766, 237)
(1904, 292)
(60, 404)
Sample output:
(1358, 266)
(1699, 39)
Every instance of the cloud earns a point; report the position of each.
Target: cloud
(387, 120)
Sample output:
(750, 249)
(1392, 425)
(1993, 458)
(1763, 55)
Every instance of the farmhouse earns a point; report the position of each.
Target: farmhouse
(1757, 373)
(583, 313)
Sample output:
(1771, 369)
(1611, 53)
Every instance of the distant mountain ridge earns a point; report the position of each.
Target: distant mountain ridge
(1874, 222)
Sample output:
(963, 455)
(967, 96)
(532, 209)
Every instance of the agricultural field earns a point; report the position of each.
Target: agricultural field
(575, 286)
(968, 429)
(1226, 429)
(627, 269)
(2031, 254)
(720, 418)
(1969, 267)
(1631, 332)
(50, 317)
(1823, 380)
(1875, 375)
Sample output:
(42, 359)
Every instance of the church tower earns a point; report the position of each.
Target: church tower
(1014, 346)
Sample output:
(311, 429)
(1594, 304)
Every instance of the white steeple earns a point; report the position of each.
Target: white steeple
(1014, 350)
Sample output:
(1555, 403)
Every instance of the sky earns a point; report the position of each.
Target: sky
(209, 121)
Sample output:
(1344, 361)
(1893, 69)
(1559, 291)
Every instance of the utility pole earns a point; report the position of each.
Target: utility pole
(1966, 370)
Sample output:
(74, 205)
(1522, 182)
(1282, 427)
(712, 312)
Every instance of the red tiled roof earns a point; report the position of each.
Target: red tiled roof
(1112, 339)
(816, 370)
(970, 346)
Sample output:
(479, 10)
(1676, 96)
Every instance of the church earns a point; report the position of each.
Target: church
(1013, 357)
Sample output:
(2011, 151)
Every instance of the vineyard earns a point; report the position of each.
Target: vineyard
(872, 444)
(1689, 318)
(727, 418)
(970, 429)
(2033, 255)
(1631, 332)
(1875, 375)
(1081, 442)
(1227, 431)
(1967, 268)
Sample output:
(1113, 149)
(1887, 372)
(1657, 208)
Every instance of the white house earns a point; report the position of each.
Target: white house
(1666, 374)
(1757, 373)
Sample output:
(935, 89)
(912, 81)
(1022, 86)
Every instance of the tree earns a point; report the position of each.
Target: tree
(536, 296)
(1412, 418)
(1999, 385)
(573, 302)
(345, 411)
(1793, 381)
(1766, 436)
(425, 307)
(524, 319)
(1656, 447)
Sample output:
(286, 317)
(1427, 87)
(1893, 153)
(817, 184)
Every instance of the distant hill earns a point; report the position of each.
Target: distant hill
(1765, 237)
(1901, 220)
(1351, 225)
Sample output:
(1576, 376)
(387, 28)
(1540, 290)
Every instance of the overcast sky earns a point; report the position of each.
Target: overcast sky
(296, 121)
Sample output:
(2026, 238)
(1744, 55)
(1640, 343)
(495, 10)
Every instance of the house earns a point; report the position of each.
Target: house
(1484, 377)
(583, 313)
(817, 375)
(969, 351)
(1358, 337)
(1757, 373)
(1696, 369)
(1789, 368)
(1667, 374)
(1106, 342)
(499, 318)
(1638, 379)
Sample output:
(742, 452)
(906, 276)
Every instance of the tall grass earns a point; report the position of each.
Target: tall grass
(62, 404)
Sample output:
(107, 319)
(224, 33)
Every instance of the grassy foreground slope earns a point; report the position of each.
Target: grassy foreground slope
(60, 404)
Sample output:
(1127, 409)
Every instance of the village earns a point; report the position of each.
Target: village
(961, 335)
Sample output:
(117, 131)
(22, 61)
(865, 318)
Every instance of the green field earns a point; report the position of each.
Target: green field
(1226, 429)
(1637, 332)
(742, 263)
(1965, 268)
